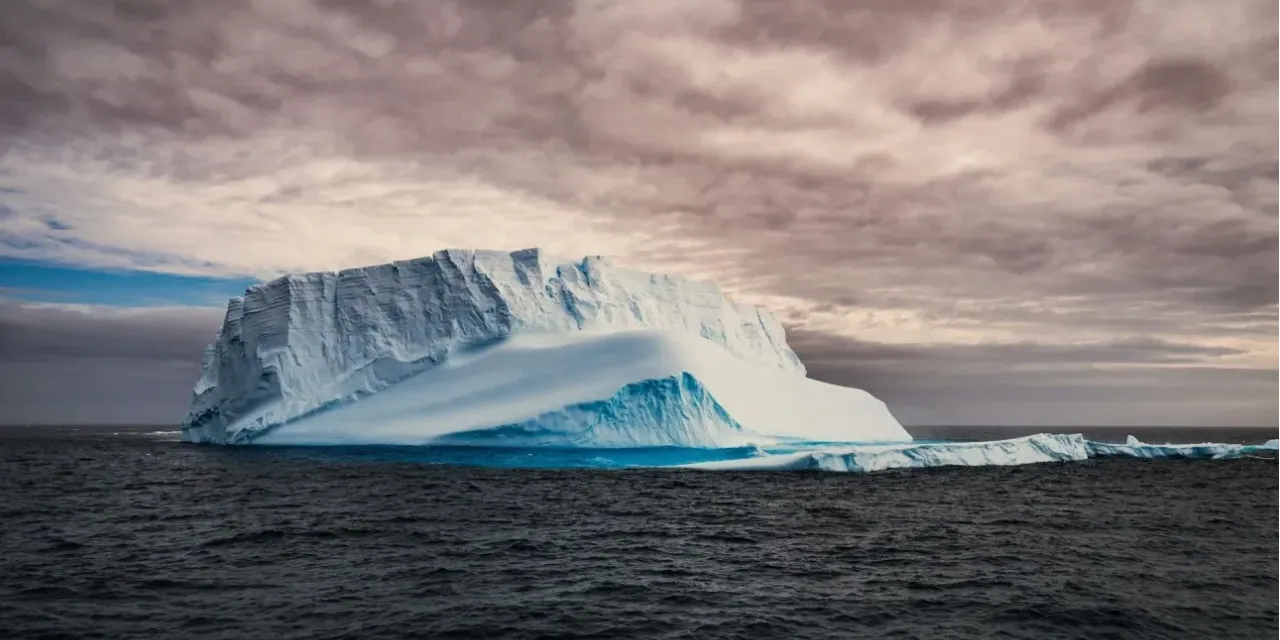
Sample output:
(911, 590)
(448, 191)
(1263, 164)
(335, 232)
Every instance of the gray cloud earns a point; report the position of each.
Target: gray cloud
(95, 365)
(818, 347)
(1184, 85)
(1121, 383)
(95, 391)
(37, 333)
(912, 171)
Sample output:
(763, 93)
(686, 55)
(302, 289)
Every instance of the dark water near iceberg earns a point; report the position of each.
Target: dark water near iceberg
(123, 533)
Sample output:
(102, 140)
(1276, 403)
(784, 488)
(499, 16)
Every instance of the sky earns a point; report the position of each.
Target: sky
(982, 211)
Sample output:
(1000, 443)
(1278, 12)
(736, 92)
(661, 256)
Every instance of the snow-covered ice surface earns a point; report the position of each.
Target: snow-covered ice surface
(621, 389)
(515, 349)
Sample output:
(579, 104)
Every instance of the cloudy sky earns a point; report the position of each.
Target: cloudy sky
(983, 211)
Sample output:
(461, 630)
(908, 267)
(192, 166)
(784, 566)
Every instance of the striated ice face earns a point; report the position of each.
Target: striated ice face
(301, 344)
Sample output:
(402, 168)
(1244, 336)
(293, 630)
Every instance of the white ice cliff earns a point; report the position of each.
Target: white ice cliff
(520, 349)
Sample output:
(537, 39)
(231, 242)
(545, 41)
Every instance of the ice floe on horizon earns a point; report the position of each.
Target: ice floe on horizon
(1033, 449)
(1135, 448)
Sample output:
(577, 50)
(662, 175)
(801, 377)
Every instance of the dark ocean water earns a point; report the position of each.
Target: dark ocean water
(122, 533)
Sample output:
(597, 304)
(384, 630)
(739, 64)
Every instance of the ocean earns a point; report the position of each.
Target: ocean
(126, 533)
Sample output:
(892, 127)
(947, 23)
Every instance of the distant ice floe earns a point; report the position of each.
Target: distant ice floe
(1134, 448)
(1032, 449)
(878, 457)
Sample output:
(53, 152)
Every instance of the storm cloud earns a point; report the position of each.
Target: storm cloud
(1072, 185)
(83, 364)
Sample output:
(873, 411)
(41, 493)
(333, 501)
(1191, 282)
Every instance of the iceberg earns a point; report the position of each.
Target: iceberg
(1271, 445)
(512, 349)
(863, 458)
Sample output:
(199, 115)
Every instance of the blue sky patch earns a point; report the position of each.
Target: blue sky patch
(46, 282)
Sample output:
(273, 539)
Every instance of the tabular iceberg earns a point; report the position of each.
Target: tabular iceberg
(516, 349)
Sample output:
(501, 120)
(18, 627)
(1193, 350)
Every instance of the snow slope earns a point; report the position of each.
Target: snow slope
(622, 389)
(518, 348)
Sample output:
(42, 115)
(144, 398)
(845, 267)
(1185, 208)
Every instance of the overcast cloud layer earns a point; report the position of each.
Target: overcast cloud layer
(1078, 197)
